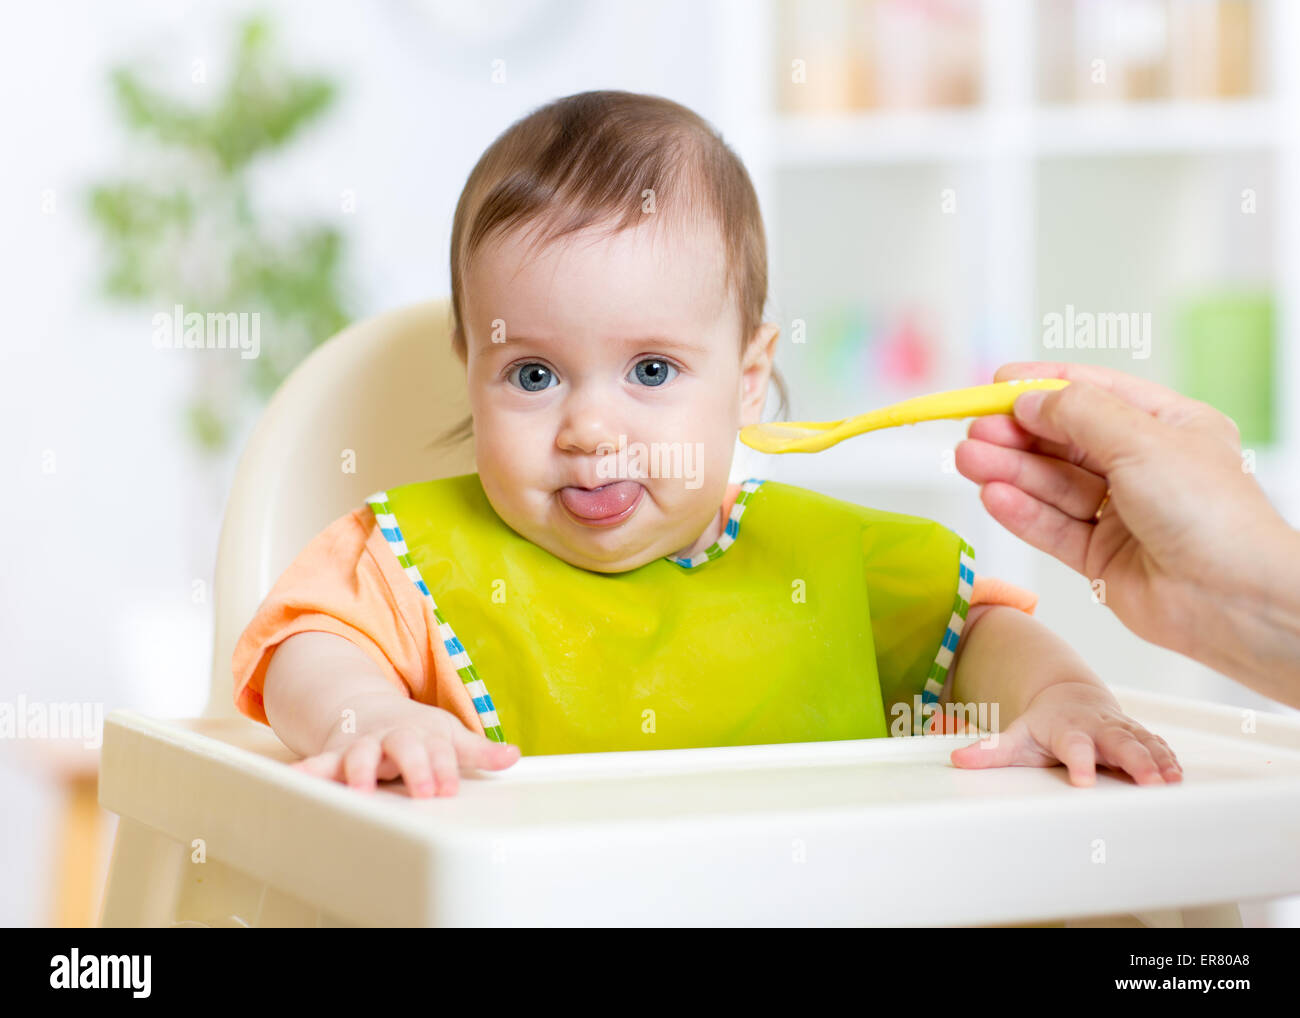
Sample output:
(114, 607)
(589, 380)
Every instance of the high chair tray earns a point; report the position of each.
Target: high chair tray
(879, 831)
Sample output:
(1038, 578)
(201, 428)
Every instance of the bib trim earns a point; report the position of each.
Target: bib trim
(478, 693)
(938, 675)
(729, 534)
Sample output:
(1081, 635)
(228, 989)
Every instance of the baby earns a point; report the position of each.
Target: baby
(598, 584)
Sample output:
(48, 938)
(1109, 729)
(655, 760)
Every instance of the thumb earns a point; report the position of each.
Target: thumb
(1099, 424)
(999, 750)
(474, 750)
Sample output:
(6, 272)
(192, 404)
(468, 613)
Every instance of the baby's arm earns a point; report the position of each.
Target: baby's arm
(326, 700)
(1051, 707)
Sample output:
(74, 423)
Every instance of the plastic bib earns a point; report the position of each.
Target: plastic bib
(780, 634)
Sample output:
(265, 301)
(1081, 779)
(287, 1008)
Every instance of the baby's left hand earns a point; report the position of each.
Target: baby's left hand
(1080, 725)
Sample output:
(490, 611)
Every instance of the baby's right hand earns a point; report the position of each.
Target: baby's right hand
(392, 736)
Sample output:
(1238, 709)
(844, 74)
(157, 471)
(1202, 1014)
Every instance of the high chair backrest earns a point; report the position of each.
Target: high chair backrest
(358, 415)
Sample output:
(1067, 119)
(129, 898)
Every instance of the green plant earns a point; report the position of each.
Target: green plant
(188, 231)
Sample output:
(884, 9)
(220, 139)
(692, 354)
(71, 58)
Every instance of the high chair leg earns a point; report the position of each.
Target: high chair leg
(156, 881)
(143, 877)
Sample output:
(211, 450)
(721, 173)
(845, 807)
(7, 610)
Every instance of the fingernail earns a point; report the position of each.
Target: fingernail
(1027, 406)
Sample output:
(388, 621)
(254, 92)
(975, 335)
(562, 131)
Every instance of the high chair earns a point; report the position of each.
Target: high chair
(215, 829)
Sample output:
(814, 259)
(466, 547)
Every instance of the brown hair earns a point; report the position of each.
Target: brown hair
(588, 159)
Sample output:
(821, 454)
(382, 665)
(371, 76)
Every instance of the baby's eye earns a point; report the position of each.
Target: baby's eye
(654, 371)
(533, 377)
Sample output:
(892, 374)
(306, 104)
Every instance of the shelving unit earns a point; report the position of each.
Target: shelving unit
(854, 208)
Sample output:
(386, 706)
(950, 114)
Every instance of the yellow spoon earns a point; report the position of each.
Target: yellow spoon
(814, 436)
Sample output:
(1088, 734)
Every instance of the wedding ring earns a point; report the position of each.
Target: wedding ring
(1101, 508)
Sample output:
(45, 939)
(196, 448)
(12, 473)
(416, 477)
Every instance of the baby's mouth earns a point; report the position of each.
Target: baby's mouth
(604, 506)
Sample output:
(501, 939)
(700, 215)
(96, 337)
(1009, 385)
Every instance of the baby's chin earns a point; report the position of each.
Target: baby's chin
(615, 550)
(596, 559)
(618, 550)
(640, 539)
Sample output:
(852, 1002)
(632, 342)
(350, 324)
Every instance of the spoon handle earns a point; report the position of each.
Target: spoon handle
(976, 401)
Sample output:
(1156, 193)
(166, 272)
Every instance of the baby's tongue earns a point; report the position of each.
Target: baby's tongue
(599, 503)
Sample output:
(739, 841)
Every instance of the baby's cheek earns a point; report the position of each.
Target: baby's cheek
(509, 446)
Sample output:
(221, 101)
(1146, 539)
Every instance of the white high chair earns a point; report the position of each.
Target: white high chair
(215, 830)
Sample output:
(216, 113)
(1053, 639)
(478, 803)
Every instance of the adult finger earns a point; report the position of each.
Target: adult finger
(1002, 429)
(1105, 429)
(1139, 393)
(1156, 400)
(1073, 490)
(1043, 526)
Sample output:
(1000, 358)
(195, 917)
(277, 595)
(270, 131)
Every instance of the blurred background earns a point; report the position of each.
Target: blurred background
(947, 185)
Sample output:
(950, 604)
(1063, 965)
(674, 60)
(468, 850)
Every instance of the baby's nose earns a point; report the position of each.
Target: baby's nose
(588, 426)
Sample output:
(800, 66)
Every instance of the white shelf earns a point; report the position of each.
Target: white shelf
(852, 138)
(1136, 129)
(955, 135)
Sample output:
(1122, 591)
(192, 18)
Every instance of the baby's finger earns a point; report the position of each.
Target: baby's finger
(322, 765)
(1121, 748)
(446, 768)
(1170, 768)
(406, 749)
(481, 752)
(361, 762)
(1004, 749)
(1075, 749)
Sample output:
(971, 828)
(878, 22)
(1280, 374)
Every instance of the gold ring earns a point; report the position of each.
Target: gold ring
(1101, 508)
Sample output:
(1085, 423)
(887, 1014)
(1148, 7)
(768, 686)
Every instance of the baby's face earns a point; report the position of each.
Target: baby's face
(596, 344)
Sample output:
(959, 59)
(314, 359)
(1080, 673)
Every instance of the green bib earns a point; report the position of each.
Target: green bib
(804, 624)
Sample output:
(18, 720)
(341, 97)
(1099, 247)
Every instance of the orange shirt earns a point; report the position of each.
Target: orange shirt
(348, 582)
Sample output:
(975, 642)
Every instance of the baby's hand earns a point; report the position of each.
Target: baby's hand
(1080, 725)
(396, 736)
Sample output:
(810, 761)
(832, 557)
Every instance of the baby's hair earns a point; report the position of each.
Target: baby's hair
(588, 159)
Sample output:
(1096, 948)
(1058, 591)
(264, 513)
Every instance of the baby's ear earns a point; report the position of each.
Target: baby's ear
(762, 347)
(756, 371)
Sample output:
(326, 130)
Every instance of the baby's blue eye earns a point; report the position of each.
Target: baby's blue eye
(657, 372)
(534, 377)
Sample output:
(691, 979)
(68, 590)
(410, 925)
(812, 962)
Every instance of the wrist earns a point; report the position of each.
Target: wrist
(357, 710)
(1085, 679)
(1252, 633)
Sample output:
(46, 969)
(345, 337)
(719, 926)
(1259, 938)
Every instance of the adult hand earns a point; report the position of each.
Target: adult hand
(1187, 551)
